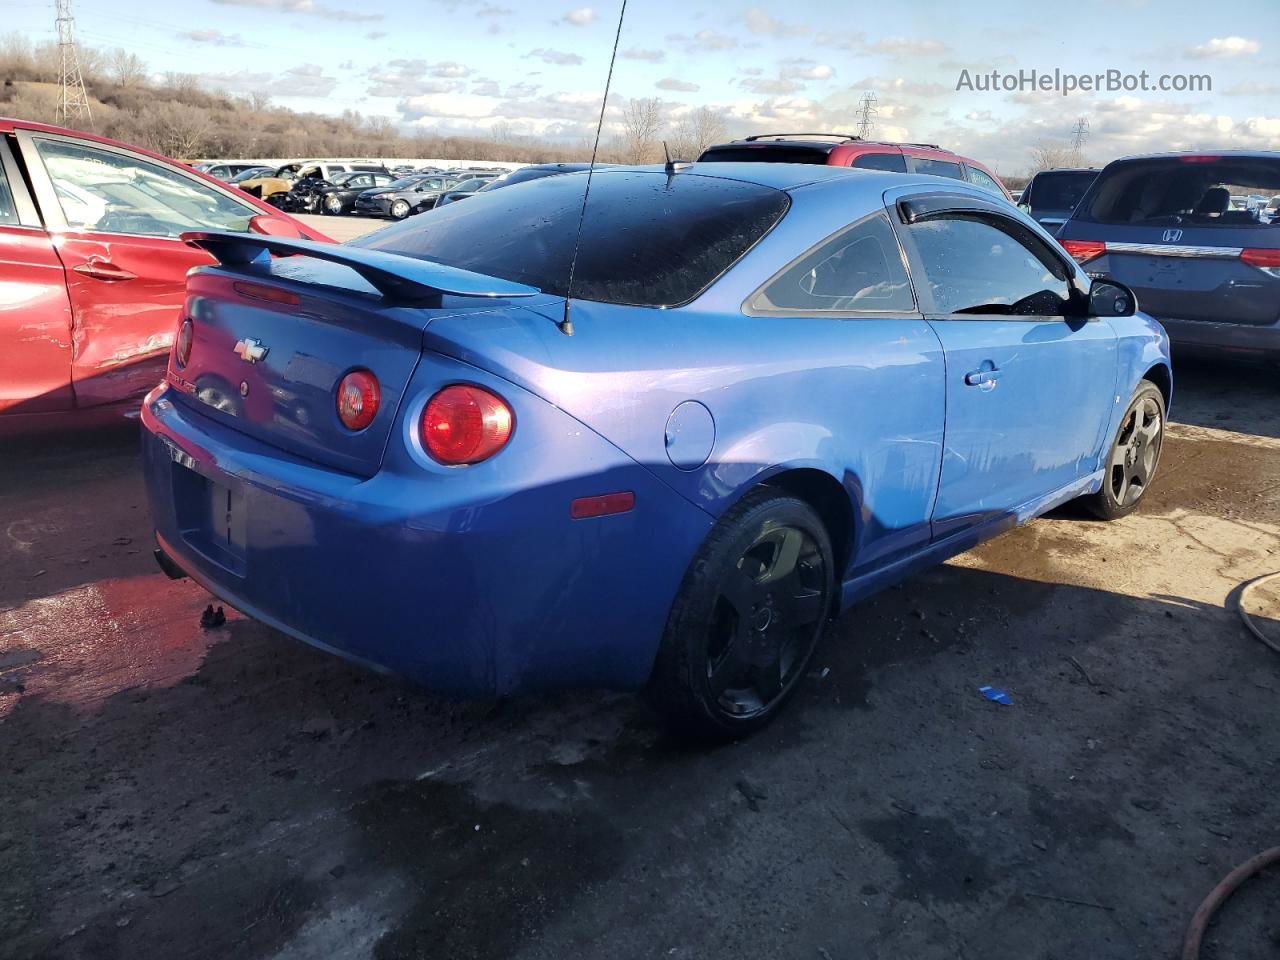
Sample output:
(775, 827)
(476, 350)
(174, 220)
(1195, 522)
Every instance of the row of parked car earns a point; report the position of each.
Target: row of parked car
(1188, 232)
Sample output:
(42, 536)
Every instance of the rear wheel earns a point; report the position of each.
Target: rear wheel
(400, 209)
(749, 614)
(1134, 456)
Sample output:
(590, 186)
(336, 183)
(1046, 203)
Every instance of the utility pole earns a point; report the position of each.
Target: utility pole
(73, 99)
(867, 115)
(1079, 134)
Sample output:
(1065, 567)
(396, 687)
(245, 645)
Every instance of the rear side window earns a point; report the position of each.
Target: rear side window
(8, 212)
(936, 168)
(980, 179)
(973, 266)
(1191, 191)
(859, 269)
(762, 153)
(647, 239)
(893, 162)
(1059, 190)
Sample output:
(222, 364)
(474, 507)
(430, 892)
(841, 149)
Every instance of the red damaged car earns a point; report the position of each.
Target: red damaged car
(92, 270)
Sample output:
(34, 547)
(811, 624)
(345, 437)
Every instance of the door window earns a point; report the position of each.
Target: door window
(859, 269)
(893, 162)
(980, 179)
(936, 168)
(973, 266)
(101, 190)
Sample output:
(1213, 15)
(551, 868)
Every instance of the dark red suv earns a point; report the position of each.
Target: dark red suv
(845, 150)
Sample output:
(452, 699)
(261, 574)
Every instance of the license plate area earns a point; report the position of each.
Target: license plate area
(212, 517)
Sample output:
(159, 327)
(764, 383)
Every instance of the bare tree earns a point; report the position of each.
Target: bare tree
(126, 69)
(641, 124)
(695, 132)
(177, 130)
(1047, 155)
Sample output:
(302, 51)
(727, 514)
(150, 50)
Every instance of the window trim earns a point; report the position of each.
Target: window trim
(922, 208)
(850, 314)
(47, 198)
(24, 206)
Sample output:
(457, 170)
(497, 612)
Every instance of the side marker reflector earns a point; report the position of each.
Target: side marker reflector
(602, 506)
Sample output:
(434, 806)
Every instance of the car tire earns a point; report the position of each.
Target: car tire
(332, 206)
(1133, 456)
(750, 611)
(400, 209)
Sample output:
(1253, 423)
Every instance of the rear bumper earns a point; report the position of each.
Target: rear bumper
(469, 585)
(1239, 339)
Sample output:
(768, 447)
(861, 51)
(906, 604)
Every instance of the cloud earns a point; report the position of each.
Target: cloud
(703, 40)
(307, 7)
(805, 69)
(485, 88)
(308, 80)
(493, 10)
(1225, 47)
(908, 47)
(558, 57)
(1253, 88)
(903, 85)
(635, 53)
(758, 20)
(215, 38)
(581, 17)
(240, 81)
(375, 34)
(683, 86)
(771, 86)
(407, 78)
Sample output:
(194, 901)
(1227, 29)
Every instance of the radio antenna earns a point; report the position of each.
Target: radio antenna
(566, 325)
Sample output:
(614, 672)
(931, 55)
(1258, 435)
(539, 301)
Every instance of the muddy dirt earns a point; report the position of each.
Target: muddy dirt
(175, 791)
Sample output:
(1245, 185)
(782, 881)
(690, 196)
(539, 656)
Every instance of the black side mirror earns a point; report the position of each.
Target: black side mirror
(1108, 298)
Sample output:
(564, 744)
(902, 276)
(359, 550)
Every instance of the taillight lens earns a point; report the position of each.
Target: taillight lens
(1084, 250)
(358, 399)
(182, 347)
(1268, 260)
(465, 424)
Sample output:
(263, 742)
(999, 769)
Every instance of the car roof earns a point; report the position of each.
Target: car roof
(780, 176)
(1179, 154)
(1067, 170)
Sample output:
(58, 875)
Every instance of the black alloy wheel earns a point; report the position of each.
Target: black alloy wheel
(748, 617)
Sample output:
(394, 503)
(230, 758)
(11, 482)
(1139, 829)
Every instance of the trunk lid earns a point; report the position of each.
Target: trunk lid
(272, 339)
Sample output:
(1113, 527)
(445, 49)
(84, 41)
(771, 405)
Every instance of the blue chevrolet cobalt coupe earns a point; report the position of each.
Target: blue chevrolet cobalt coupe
(771, 390)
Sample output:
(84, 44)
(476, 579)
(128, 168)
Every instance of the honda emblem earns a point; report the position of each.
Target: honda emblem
(1172, 236)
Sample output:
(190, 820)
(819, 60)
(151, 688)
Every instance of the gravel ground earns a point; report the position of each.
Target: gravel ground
(171, 791)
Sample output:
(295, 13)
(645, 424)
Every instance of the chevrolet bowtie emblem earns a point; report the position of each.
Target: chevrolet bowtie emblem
(250, 350)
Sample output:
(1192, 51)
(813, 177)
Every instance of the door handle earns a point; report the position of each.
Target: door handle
(977, 378)
(101, 269)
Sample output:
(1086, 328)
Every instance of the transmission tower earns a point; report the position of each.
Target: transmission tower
(867, 115)
(73, 99)
(1079, 134)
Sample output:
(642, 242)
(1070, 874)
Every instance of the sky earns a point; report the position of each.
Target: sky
(539, 68)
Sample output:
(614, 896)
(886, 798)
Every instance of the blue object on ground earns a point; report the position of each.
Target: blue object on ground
(996, 695)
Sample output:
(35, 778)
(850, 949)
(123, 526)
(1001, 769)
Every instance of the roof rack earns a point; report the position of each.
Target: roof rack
(783, 136)
(927, 146)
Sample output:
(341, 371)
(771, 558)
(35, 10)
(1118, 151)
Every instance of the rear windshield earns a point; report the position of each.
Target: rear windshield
(1060, 190)
(647, 239)
(1191, 190)
(765, 153)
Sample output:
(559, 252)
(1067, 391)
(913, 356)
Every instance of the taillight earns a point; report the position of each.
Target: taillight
(358, 399)
(1265, 260)
(182, 347)
(465, 424)
(1084, 250)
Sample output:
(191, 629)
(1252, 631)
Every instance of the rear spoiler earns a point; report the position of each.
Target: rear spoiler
(394, 276)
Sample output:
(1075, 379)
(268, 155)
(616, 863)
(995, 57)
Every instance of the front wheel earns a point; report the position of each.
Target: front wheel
(749, 614)
(400, 209)
(1134, 456)
(333, 205)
